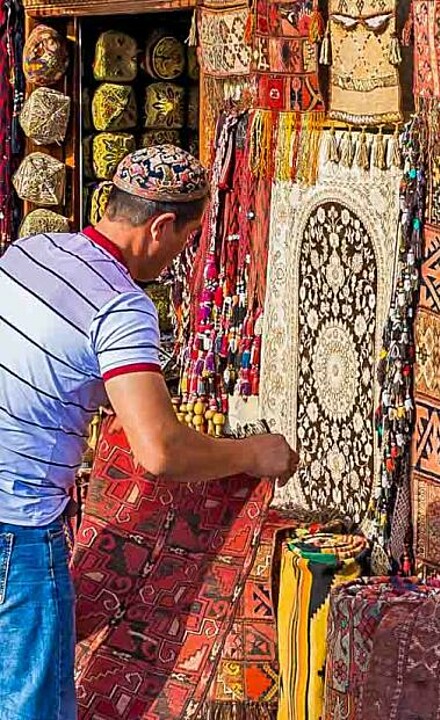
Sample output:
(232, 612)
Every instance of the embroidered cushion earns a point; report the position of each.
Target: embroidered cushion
(192, 64)
(164, 56)
(160, 137)
(193, 107)
(115, 57)
(43, 221)
(86, 110)
(98, 199)
(45, 57)
(160, 295)
(164, 106)
(108, 151)
(193, 144)
(40, 179)
(114, 107)
(45, 116)
(88, 157)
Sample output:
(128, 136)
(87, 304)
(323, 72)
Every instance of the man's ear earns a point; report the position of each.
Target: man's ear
(161, 225)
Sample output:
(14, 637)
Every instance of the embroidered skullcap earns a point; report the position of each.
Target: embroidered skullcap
(45, 56)
(162, 173)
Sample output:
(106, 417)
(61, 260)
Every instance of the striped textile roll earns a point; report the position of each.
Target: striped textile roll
(311, 565)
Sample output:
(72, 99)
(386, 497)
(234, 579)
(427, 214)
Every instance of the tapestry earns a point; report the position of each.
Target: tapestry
(159, 569)
(426, 19)
(364, 79)
(221, 35)
(404, 669)
(426, 438)
(311, 565)
(332, 249)
(262, 56)
(246, 684)
(357, 610)
(284, 56)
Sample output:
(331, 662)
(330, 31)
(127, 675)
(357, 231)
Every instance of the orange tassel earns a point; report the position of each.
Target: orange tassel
(317, 27)
(249, 29)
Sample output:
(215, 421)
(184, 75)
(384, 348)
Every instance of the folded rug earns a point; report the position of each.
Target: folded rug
(362, 615)
(159, 569)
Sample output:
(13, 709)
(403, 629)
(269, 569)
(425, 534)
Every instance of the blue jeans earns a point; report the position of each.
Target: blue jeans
(37, 631)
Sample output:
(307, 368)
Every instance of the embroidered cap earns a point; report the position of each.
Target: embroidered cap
(162, 173)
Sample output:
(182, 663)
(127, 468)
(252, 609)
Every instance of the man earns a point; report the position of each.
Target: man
(75, 333)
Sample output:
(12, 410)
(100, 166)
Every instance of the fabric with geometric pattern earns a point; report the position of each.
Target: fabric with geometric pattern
(159, 569)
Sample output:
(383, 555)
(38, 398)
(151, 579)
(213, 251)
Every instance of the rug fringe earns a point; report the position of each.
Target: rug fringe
(238, 711)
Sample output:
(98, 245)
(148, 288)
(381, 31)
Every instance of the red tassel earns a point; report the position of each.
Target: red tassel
(408, 28)
(406, 567)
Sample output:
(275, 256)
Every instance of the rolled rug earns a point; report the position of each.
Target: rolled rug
(311, 565)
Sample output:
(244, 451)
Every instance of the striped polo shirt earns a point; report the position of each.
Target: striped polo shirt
(71, 318)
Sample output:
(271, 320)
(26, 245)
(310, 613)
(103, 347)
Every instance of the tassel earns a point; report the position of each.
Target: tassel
(325, 55)
(395, 52)
(408, 28)
(261, 143)
(347, 149)
(317, 25)
(378, 153)
(285, 140)
(332, 150)
(396, 157)
(361, 156)
(249, 27)
(315, 142)
(192, 37)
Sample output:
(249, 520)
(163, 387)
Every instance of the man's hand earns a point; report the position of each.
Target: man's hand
(165, 448)
(271, 456)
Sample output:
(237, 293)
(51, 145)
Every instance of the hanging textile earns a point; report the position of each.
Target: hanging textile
(284, 57)
(364, 78)
(357, 611)
(332, 250)
(159, 569)
(263, 56)
(224, 55)
(311, 565)
(389, 515)
(426, 439)
(11, 100)
(426, 19)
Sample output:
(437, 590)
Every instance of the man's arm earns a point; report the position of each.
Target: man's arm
(166, 448)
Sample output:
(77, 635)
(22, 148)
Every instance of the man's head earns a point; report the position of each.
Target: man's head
(158, 200)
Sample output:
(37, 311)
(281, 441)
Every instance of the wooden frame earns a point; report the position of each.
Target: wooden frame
(58, 8)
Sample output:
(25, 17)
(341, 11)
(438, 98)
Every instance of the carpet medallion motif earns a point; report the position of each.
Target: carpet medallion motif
(329, 285)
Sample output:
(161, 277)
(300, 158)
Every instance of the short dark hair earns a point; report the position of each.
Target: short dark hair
(137, 211)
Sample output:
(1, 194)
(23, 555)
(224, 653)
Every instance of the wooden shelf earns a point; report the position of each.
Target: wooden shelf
(59, 8)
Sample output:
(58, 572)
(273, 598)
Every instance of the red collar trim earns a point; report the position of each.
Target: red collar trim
(97, 237)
